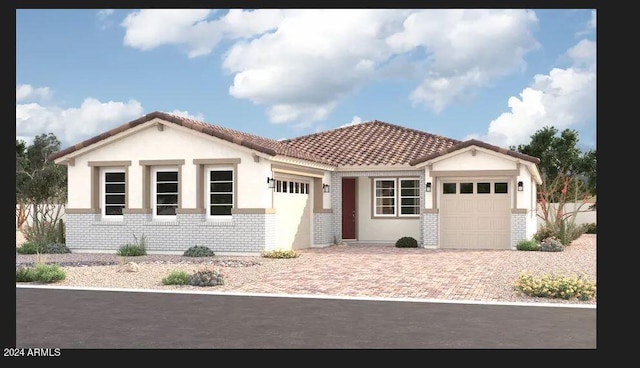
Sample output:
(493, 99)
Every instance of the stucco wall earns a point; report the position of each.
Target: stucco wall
(483, 160)
(172, 143)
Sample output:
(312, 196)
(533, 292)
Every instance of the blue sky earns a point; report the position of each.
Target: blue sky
(492, 74)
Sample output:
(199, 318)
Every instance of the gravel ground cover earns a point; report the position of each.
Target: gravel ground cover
(348, 270)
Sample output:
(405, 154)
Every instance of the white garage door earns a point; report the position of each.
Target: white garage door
(475, 214)
(292, 202)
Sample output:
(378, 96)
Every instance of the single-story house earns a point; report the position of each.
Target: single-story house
(181, 182)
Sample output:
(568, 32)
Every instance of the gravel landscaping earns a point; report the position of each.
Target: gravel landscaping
(351, 270)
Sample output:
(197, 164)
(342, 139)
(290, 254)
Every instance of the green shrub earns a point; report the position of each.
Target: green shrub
(206, 278)
(176, 278)
(279, 253)
(56, 248)
(551, 244)
(407, 242)
(552, 286)
(30, 247)
(589, 228)
(530, 245)
(24, 274)
(131, 250)
(47, 273)
(544, 232)
(199, 251)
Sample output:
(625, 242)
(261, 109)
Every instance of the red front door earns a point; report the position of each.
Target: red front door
(348, 208)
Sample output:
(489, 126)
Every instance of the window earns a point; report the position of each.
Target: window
(409, 197)
(466, 188)
(391, 202)
(500, 188)
(166, 192)
(483, 188)
(113, 193)
(449, 188)
(220, 198)
(385, 197)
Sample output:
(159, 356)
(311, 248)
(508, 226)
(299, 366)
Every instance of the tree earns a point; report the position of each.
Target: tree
(41, 187)
(568, 176)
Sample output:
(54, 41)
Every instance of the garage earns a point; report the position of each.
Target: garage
(292, 202)
(475, 214)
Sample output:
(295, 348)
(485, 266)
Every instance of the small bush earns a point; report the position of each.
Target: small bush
(551, 286)
(47, 273)
(56, 248)
(206, 278)
(278, 253)
(589, 228)
(407, 242)
(551, 244)
(24, 274)
(544, 232)
(176, 278)
(131, 250)
(199, 251)
(30, 247)
(529, 245)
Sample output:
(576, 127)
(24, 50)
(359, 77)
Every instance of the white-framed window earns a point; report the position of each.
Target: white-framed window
(219, 182)
(396, 197)
(409, 197)
(165, 192)
(113, 198)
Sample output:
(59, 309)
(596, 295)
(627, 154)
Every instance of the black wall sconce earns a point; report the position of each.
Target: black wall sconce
(520, 186)
(326, 188)
(428, 187)
(271, 183)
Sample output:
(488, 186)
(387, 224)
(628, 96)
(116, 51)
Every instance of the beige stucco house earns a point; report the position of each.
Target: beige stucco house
(181, 182)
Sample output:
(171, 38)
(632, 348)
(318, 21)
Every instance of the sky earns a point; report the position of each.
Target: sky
(497, 75)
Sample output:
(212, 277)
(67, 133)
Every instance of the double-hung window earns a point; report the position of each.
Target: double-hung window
(396, 197)
(220, 191)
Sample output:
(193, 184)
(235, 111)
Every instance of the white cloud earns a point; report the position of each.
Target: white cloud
(592, 22)
(150, 28)
(354, 121)
(301, 63)
(466, 49)
(198, 116)
(104, 18)
(74, 124)
(26, 92)
(564, 98)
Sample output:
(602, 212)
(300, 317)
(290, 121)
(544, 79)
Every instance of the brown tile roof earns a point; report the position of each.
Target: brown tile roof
(268, 146)
(371, 143)
(475, 142)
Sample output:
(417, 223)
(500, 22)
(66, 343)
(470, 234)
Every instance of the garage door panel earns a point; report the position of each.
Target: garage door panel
(475, 221)
(293, 214)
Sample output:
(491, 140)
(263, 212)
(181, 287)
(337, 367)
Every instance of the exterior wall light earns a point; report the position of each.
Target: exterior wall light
(326, 188)
(520, 186)
(428, 187)
(271, 183)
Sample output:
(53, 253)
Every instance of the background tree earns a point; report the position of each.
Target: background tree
(41, 187)
(568, 176)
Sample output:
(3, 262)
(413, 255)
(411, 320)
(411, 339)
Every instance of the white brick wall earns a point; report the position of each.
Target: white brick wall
(323, 229)
(430, 230)
(518, 228)
(244, 233)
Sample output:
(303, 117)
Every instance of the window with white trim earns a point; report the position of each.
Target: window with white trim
(409, 197)
(165, 192)
(220, 191)
(113, 193)
(396, 197)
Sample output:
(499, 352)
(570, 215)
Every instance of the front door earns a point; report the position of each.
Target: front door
(349, 208)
